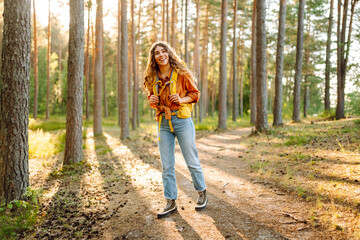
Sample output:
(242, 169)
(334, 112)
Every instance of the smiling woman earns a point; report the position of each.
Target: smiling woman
(172, 91)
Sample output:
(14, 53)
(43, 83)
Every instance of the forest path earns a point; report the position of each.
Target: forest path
(118, 191)
(240, 207)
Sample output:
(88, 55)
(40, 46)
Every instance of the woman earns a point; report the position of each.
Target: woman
(172, 91)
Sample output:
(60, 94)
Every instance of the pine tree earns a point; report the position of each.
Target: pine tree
(223, 81)
(74, 100)
(14, 100)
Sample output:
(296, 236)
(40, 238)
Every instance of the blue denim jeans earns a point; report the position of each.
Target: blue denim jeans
(184, 130)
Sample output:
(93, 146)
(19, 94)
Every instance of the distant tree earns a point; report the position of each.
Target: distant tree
(36, 80)
(186, 33)
(204, 100)
(298, 64)
(253, 65)
(223, 81)
(87, 66)
(98, 70)
(235, 80)
(154, 38)
(163, 21)
(167, 22)
(124, 105)
(261, 123)
(74, 99)
(343, 53)
(14, 100)
(327, 61)
(106, 110)
(277, 109)
(173, 21)
(119, 63)
(196, 55)
(134, 73)
(48, 64)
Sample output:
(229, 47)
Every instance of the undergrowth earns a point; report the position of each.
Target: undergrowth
(19, 216)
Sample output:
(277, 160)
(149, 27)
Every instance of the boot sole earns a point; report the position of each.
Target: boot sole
(201, 208)
(167, 214)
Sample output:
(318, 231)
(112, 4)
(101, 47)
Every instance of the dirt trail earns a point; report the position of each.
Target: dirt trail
(118, 194)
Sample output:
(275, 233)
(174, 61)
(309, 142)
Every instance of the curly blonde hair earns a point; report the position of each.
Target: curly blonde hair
(152, 67)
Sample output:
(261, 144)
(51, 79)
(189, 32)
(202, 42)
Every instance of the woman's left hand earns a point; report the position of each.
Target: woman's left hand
(175, 98)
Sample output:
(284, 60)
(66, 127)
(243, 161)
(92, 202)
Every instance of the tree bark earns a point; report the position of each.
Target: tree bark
(48, 65)
(197, 56)
(261, 123)
(235, 80)
(298, 64)
(253, 66)
(163, 21)
(87, 67)
(204, 69)
(74, 99)
(36, 80)
(124, 104)
(98, 70)
(186, 33)
(134, 74)
(277, 109)
(14, 100)
(327, 61)
(154, 22)
(173, 20)
(223, 81)
(106, 111)
(119, 63)
(167, 22)
(241, 63)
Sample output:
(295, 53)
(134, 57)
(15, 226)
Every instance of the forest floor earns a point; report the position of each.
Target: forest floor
(300, 181)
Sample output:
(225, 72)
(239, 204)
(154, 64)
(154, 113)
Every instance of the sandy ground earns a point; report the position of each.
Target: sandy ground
(118, 192)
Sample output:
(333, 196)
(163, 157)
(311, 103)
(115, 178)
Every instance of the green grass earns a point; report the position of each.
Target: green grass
(299, 140)
(19, 215)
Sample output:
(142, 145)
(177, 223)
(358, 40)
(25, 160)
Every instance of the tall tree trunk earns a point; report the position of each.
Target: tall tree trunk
(197, 56)
(327, 62)
(277, 109)
(74, 99)
(98, 70)
(119, 83)
(213, 96)
(138, 65)
(134, 73)
(340, 108)
(163, 21)
(48, 66)
(36, 80)
(167, 22)
(253, 66)
(106, 111)
(223, 81)
(186, 33)
(235, 80)
(343, 57)
(204, 69)
(154, 22)
(261, 122)
(124, 104)
(173, 20)
(241, 66)
(87, 67)
(298, 64)
(14, 100)
(93, 54)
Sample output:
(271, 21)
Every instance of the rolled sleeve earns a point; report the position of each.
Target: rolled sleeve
(191, 89)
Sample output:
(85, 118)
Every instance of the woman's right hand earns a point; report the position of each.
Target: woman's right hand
(153, 100)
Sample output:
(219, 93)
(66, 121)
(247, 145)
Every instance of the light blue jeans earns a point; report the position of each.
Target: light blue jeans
(184, 130)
